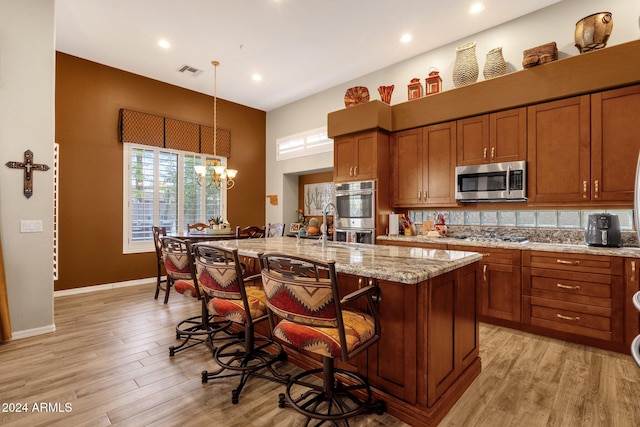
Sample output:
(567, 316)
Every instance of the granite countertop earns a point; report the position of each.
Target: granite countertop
(393, 263)
(627, 252)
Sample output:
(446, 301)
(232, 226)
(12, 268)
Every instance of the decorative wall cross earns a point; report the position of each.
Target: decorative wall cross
(28, 167)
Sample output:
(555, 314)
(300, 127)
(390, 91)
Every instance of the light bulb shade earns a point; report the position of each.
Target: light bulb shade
(231, 173)
(201, 170)
(219, 169)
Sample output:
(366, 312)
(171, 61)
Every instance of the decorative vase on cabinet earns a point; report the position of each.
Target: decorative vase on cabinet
(495, 64)
(465, 68)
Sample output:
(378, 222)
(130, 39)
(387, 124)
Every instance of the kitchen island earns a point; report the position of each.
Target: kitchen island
(428, 353)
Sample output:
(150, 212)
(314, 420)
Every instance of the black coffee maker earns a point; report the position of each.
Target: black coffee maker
(603, 229)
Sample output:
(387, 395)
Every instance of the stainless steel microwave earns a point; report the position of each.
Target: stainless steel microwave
(492, 182)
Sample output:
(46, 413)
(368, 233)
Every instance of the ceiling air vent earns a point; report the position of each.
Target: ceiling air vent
(189, 70)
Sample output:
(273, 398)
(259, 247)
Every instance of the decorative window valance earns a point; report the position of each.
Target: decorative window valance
(158, 131)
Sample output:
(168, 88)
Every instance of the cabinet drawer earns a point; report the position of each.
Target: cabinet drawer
(580, 319)
(599, 264)
(492, 255)
(568, 283)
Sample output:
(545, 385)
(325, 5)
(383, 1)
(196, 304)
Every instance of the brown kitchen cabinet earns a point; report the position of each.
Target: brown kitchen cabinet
(423, 166)
(615, 142)
(357, 156)
(392, 361)
(492, 138)
(452, 331)
(558, 147)
(500, 291)
(575, 294)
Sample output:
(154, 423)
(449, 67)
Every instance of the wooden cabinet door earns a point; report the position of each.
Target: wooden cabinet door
(439, 164)
(508, 135)
(393, 359)
(615, 142)
(367, 160)
(473, 140)
(345, 157)
(500, 291)
(348, 283)
(406, 167)
(559, 151)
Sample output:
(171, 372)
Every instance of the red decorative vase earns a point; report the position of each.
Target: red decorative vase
(385, 93)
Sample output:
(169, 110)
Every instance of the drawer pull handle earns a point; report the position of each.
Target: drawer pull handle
(560, 316)
(633, 271)
(568, 262)
(584, 189)
(575, 287)
(484, 272)
(493, 152)
(484, 154)
(351, 171)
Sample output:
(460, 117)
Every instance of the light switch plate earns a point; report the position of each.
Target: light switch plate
(31, 226)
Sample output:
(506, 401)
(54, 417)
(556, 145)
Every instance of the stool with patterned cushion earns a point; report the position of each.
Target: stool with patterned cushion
(227, 294)
(194, 330)
(303, 293)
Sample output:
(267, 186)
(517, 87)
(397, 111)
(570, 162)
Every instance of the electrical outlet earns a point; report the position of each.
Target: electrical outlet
(31, 226)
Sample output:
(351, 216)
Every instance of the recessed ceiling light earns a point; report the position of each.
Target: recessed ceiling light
(256, 77)
(406, 38)
(164, 44)
(476, 8)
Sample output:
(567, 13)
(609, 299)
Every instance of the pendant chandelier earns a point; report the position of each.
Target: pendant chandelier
(219, 175)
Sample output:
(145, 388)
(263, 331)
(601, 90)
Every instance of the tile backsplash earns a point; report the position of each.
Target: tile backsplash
(544, 218)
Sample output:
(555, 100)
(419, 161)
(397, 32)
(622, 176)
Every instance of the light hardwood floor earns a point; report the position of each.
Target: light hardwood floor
(109, 361)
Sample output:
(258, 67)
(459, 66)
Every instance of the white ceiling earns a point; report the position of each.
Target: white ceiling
(300, 47)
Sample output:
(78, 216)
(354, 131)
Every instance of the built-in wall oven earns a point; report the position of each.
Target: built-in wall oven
(354, 219)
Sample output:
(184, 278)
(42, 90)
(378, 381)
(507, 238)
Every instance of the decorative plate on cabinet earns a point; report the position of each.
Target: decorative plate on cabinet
(356, 95)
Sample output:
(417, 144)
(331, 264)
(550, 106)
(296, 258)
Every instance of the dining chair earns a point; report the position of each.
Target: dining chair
(275, 230)
(194, 330)
(159, 232)
(250, 232)
(303, 293)
(230, 294)
(200, 226)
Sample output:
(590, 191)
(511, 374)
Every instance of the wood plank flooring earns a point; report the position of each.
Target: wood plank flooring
(108, 361)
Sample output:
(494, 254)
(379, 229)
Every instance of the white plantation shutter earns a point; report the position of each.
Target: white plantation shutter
(161, 189)
(304, 144)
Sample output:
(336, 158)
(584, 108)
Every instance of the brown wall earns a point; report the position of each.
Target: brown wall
(88, 98)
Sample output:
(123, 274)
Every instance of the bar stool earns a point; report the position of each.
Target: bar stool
(304, 294)
(221, 277)
(635, 344)
(194, 330)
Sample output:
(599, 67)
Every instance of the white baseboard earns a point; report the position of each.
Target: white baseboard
(33, 332)
(95, 288)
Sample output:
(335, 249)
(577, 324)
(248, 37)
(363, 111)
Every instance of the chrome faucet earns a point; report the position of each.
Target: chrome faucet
(325, 228)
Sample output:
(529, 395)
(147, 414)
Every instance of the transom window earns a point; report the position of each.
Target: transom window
(161, 188)
(313, 141)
